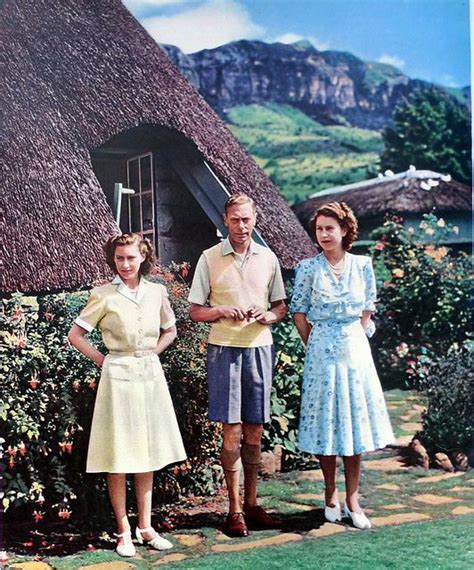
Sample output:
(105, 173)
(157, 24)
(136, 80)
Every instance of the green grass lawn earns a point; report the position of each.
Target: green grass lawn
(443, 544)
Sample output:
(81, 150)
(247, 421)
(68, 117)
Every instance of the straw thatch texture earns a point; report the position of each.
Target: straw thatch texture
(76, 73)
(395, 195)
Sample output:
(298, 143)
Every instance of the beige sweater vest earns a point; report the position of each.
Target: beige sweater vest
(232, 285)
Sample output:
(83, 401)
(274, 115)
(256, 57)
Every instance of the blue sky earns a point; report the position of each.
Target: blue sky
(427, 39)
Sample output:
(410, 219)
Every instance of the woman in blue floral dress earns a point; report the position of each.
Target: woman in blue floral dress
(343, 409)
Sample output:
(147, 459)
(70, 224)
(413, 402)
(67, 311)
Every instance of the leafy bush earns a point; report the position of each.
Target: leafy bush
(285, 402)
(48, 392)
(447, 420)
(432, 130)
(424, 295)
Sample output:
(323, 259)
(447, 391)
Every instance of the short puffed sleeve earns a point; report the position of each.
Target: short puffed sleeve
(301, 298)
(370, 286)
(93, 312)
(167, 318)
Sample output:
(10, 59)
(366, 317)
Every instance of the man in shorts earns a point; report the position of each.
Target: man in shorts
(238, 288)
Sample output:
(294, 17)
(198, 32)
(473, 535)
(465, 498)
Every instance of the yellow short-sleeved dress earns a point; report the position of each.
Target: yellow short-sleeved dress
(134, 427)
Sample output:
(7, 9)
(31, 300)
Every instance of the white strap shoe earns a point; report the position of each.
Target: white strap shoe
(332, 514)
(158, 542)
(359, 520)
(126, 548)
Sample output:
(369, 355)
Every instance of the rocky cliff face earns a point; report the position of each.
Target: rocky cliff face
(332, 87)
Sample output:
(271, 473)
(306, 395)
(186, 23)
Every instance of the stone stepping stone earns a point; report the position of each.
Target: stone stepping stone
(300, 507)
(389, 486)
(261, 543)
(189, 539)
(175, 557)
(411, 398)
(114, 565)
(418, 409)
(429, 499)
(412, 426)
(403, 440)
(394, 507)
(400, 518)
(459, 489)
(30, 565)
(312, 475)
(327, 529)
(310, 496)
(222, 537)
(387, 464)
(441, 477)
(462, 510)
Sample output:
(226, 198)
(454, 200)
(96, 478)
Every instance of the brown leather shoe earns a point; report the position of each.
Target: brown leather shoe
(258, 516)
(235, 525)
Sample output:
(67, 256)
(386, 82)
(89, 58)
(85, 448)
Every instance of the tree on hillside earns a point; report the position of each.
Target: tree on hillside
(432, 131)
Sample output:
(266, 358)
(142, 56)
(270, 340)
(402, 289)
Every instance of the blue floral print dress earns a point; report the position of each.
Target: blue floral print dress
(343, 409)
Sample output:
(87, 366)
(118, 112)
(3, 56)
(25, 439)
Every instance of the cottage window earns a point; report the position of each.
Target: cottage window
(141, 205)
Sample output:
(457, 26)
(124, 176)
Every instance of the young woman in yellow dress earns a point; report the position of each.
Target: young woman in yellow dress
(134, 427)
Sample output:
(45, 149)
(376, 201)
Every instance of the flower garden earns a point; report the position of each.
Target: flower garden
(423, 342)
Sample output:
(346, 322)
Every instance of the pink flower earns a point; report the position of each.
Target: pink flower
(379, 246)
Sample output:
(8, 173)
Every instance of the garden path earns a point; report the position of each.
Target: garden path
(395, 493)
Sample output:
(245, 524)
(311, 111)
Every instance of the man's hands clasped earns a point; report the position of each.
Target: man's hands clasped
(251, 313)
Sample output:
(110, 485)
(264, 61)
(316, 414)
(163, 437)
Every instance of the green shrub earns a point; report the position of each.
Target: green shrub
(285, 401)
(48, 393)
(423, 299)
(447, 420)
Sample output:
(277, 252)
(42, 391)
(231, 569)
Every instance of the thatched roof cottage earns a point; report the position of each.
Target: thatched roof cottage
(90, 101)
(408, 194)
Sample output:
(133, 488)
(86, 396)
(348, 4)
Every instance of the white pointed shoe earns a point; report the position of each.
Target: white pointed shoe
(332, 514)
(158, 543)
(359, 520)
(126, 548)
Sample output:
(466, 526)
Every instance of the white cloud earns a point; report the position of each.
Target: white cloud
(291, 38)
(392, 60)
(212, 24)
(448, 81)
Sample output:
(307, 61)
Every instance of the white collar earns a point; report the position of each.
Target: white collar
(226, 248)
(126, 292)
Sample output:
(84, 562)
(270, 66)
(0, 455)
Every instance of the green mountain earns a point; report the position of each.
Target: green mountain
(300, 155)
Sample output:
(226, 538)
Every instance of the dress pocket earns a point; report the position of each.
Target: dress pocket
(118, 371)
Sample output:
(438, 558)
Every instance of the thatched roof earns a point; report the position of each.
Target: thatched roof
(411, 192)
(76, 73)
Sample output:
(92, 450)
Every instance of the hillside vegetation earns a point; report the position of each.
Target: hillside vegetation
(300, 155)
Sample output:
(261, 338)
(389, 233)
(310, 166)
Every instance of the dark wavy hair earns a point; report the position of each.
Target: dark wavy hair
(144, 245)
(345, 217)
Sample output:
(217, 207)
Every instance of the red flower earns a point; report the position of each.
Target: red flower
(62, 446)
(76, 386)
(34, 381)
(184, 271)
(22, 448)
(379, 246)
(17, 315)
(11, 462)
(69, 447)
(64, 514)
(49, 316)
(93, 385)
(12, 451)
(37, 516)
(168, 276)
